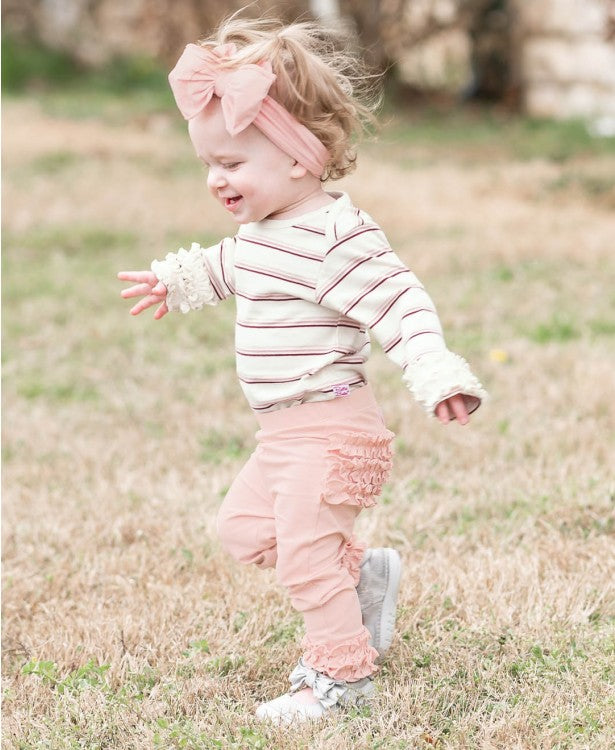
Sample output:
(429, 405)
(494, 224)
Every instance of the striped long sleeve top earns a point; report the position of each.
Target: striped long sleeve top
(308, 291)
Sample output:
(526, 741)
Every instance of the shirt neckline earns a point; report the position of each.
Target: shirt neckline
(302, 218)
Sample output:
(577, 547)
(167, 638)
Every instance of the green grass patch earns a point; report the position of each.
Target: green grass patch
(185, 735)
(484, 133)
(541, 661)
(494, 513)
(28, 64)
(590, 522)
(603, 326)
(123, 88)
(197, 647)
(577, 726)
(592, 185)
(89, 675)
(287, 631)
(138, 684)
(50, 265)
(39, 242)
(221, 666)
(112, 107)
(64, 392)
(55, 162)
(217, 447)
(502, 274)
(51, 275)
(558, 328)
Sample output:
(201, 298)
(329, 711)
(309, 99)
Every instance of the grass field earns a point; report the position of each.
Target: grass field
(124, 624)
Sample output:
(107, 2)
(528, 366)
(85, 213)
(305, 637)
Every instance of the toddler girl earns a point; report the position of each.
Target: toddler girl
(271, 112)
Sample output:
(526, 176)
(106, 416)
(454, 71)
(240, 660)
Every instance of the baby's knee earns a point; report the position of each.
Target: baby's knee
(239, 538)
(308, 587)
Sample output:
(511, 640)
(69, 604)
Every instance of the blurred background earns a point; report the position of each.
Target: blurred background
(548, 58)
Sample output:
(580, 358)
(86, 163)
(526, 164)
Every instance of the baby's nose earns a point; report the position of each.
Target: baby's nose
(216, 178)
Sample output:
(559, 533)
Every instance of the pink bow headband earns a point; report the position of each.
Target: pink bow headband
(243, 92)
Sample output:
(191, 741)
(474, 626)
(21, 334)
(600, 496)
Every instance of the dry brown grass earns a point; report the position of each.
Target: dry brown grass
(124, 624)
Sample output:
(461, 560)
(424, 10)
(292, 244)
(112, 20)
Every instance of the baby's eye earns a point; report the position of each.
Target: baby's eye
(231, 165)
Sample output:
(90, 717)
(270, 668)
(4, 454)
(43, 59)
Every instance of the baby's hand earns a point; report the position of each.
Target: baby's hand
(452, 408)
(149, 287)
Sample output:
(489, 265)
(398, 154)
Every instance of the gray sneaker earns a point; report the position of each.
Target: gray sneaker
(377, 590)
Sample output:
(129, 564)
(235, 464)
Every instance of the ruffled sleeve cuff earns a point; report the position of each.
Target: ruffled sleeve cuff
(437, 376)
(184, 275)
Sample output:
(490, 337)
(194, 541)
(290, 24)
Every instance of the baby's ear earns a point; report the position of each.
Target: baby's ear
(297, 171)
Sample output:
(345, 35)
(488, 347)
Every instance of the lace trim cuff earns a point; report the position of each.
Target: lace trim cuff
(184, 275)
(439, 375)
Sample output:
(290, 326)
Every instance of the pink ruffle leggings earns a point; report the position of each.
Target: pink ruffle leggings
(293, 507)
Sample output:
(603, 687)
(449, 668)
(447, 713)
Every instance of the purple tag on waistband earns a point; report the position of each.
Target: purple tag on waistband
(341, 390)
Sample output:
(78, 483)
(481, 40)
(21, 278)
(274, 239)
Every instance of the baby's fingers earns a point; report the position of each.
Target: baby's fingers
(452, 408)
(442, 413)
(140, 277)
(151, 299)
(161, 311)
(460, 411)
(138, 290)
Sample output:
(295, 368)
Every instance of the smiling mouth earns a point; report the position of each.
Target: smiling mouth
(230, 202)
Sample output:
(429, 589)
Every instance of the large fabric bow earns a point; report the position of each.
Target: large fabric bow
(328, 691)
(200, 73)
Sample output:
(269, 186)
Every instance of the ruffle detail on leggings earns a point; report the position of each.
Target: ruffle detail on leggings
(351, 660)
(359, 464)
(352, 558)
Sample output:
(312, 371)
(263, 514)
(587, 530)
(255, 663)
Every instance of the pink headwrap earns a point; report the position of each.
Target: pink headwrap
(243, 92)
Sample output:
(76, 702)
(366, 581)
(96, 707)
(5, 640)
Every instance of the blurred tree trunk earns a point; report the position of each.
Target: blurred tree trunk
(389, 28)
(492, 26)
(94, 31)
(610, 22)
(376, 22)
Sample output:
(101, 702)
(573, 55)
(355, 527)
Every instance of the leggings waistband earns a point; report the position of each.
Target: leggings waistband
(319, 411)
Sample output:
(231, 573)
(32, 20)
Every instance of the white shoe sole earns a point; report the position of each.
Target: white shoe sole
(284, 711)
(389, 604)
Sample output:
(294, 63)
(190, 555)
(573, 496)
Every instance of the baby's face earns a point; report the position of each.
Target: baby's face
(249, 175)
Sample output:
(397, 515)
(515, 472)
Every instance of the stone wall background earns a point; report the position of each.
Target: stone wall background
(553, 58)
(568, 57)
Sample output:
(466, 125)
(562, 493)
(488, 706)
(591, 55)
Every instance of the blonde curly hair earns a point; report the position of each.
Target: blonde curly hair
(320, 80)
